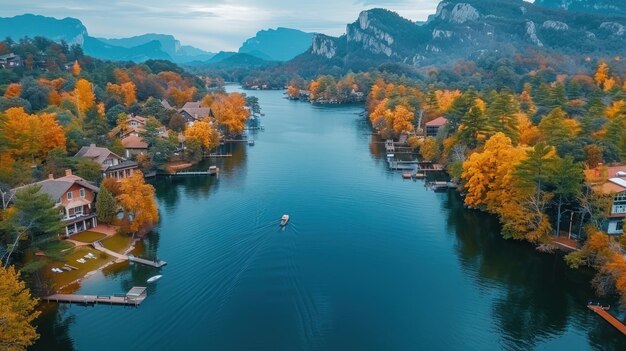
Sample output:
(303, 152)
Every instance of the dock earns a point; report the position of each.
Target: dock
(190, 173)
(134, 297)
(153, 263)
(217, 155)
(603, 312)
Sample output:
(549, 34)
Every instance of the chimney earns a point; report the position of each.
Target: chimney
(51, 176)
(68, 172)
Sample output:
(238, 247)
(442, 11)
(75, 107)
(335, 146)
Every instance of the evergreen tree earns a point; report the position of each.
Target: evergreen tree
(566, 179)
(105, 206)
(474, 127)
(502, 115)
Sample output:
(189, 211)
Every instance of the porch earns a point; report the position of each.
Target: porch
(79, 223)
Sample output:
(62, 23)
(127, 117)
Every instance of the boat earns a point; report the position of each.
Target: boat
(407, 175)
(251, 142)
(284, 219)
(154, 279)
(419, 175)
(213, 170)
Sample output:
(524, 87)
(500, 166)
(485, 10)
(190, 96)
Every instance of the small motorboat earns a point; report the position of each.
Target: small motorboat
(251, 142)
(284, 219)
(154, 279)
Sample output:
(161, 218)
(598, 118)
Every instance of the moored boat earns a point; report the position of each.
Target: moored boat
(154, 278)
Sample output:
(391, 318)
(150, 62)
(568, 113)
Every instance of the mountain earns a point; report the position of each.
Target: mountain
(466, 29)
(169, 44)
(607, 7)
(280, 44)
(69, 29)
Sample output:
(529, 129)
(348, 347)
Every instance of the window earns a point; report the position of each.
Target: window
(69, 195)
(619, 226)
(82, 192)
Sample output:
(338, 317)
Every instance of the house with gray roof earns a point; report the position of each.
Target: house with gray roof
(113, 165)
(74, 197)
(192, 111)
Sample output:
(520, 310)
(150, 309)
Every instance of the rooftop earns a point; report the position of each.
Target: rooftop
(437, 122)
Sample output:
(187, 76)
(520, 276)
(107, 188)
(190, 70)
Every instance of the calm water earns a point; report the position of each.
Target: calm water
(367, 262)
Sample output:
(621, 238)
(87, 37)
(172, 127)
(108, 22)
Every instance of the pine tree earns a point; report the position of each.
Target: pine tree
(474, 127)
(502, 115)
(105, 206)
(566, 178)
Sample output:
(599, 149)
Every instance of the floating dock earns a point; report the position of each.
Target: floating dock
(153, 263)
(134, 297)
(603, 312)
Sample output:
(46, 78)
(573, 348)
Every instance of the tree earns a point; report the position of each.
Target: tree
(177, 123)
(137, 199)
(602, 73)
(502, 115)
(76, 68)
(204, 133)
(17, 312)
(89, 169)
(33, 215)
(567, 180)
(13, 91)
(429, 149)
(556, 127)
(85, 98)
(230, 112)
(105, 205)
(488, 175)
(474, 128)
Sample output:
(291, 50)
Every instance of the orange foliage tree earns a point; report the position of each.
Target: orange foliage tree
(204, 133)
(230, 112)
(32, 136)
(138, 201)
(13, 90)
(85, 98)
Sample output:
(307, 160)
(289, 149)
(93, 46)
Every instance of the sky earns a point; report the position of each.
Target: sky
(212, 25)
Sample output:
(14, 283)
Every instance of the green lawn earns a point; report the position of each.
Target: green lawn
(118, 243)
(56, 249)
(61, 279)
(88, 237)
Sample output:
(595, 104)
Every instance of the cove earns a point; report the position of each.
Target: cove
(368, 261)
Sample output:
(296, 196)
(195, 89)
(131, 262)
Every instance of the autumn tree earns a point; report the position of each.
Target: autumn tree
(85, 98)
(204, 133)
(32, 136)
(429, 149)
(602, 73)
(488, 175)
(230, 112)
(13, 91)
(76, 68)
(17, 312)
(137, 199)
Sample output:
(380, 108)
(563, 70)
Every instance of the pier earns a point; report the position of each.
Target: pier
(217, 155)
(134, 297)
(603, 312)
(154, 263)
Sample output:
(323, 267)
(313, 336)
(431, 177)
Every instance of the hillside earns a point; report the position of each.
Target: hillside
(169, 44)
(606, 7)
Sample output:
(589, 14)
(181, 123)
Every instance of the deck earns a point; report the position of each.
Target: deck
(154, 263)
(602, 312)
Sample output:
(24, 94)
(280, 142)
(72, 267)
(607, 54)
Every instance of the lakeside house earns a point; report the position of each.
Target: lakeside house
(75, 199)
(134, 145)
(611, 181)
(433, 127)
(9, 61)
(192, 112)
(113, 165)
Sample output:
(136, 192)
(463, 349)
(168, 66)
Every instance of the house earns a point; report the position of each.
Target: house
(166, 105)
(433, 127)
(75, 199)
(113, 165)
(134, 145)
(10, 61)
(192, 111)
(615, 187)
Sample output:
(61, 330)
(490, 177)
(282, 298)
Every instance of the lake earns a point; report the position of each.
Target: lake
(368, 261)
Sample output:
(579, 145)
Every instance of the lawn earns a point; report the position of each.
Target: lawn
(61, 279)
(56, 249)
(88, 237)
(118, 243)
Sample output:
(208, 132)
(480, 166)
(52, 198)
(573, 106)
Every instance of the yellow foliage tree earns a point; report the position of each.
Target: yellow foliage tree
(314, 87)
(32, 136)
(446, 98)
(617, 107)
(137, 199)
(602, 73)
(529, 133)
(429, 149)
(85, 98)
(13, 90)
(204, 133)
(17, 311)
(293, 91)
(488, 175)
(230, 112)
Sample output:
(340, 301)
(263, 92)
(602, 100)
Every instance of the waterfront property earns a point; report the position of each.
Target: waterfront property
(10, 61)
(192, 112)
(75, 198)
(433, 127)
(113, 165)
(611, 181)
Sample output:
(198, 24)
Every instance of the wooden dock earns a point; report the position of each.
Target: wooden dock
(153, 263)
(603, 312)
(134, 298)
(217, 155)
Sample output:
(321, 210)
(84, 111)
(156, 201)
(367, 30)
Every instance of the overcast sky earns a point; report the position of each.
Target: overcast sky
(212, 25)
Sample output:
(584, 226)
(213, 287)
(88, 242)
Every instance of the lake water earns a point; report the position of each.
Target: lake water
(368, 261)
